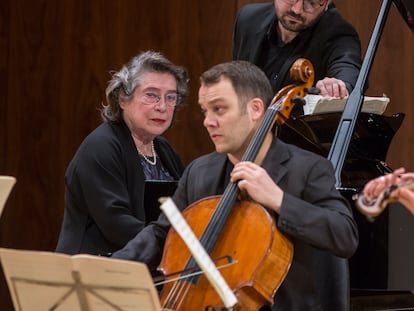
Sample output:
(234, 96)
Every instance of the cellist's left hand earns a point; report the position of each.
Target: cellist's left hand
(253, 179)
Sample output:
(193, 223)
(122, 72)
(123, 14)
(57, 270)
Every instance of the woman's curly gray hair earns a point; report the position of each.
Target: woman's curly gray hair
(124, 82)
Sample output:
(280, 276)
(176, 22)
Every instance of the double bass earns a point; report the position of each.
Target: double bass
(239, 235)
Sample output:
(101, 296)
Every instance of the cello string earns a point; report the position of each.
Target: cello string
(170, 297)
(192, 274)
(176, 294)
(269, 118)
(186, 286)
(169, 302)
(220, 216)
(159, 280)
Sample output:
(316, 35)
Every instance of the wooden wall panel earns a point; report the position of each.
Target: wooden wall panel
(391, 71)
(55, 58)
(55, 62)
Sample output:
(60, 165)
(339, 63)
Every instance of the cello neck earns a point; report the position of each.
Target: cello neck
(260, 135)
(213, 229)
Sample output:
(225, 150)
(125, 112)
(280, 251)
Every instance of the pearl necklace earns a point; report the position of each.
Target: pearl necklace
(153, 162)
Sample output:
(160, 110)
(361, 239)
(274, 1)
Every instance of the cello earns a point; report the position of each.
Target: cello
(230, 227)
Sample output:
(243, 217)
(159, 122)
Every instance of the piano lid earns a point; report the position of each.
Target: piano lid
(406, 9)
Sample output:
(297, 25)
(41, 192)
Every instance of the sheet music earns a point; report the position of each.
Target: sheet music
(325, 104)
(40, 280)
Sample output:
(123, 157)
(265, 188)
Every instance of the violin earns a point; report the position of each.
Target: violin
(372, 207)
(239, 235)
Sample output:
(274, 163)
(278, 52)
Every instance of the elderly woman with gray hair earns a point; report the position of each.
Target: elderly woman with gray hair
(107, 177)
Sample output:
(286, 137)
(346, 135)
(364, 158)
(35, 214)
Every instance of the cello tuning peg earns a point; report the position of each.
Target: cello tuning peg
(312, 91)
(299, 101)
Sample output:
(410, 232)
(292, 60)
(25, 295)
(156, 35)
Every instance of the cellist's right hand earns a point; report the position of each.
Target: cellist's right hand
(254, 180)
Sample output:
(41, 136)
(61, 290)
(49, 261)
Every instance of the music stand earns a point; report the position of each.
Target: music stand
(6, 185)
(51, 281)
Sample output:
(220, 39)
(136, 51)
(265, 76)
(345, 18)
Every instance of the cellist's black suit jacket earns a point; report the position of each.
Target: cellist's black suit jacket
(314, 215)
(331, 44)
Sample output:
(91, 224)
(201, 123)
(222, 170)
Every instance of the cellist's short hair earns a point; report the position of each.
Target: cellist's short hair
(248, 80)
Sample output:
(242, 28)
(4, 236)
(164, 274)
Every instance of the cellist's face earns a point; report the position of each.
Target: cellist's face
(229, 123)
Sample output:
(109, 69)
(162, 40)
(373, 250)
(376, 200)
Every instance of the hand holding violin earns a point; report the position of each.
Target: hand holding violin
(397, 186)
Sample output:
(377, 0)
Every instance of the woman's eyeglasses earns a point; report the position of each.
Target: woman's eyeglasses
(170, 99)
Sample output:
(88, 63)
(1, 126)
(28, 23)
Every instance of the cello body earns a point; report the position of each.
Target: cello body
(257, 248)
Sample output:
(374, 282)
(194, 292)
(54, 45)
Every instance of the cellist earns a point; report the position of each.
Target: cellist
(296, 187)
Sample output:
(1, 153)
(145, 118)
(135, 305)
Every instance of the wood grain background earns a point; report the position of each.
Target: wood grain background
(55, 59)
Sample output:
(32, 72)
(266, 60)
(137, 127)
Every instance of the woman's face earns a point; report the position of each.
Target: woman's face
(150, 112)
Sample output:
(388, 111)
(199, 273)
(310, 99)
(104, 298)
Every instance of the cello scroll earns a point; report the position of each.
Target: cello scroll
(303, 73)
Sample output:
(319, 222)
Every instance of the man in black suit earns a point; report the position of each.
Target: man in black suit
(295, 186)
(274, 35)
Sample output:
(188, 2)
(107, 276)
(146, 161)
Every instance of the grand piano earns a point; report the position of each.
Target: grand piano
(382, 269)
